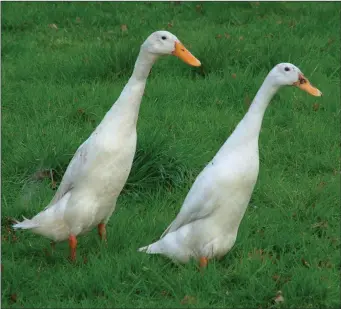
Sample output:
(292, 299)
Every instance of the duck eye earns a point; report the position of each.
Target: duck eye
(163, 38)
(287, 69)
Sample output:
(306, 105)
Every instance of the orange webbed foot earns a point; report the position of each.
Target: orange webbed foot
(203, 262)
(102, 232)
(73, 246)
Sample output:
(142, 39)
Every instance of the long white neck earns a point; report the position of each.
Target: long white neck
(125, 110)
(249, 127)
(143, 65)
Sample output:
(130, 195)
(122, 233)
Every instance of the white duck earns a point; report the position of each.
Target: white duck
(208, 221)
(87, 194)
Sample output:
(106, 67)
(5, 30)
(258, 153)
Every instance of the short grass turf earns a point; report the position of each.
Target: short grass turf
(63, 66)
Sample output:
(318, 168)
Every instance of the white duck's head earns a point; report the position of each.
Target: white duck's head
(165, 43)
(284, 74)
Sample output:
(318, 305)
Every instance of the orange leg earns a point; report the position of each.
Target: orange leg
(73, 246)
(203, 262)
(102, 231)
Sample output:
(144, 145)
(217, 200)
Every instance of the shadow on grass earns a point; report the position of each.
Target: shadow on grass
(153, 167)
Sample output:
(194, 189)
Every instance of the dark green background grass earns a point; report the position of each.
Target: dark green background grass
(59, 81)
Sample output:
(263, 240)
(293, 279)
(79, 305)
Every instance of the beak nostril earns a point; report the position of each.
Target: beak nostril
(182, 49)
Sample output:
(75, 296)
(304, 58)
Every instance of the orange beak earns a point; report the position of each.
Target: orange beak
(305, 85)
(181, 52)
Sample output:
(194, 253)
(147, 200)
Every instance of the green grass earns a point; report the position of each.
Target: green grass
(57, 84)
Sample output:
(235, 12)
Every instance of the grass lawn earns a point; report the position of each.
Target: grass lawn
(63, 66)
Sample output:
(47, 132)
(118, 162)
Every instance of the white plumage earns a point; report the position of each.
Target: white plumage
(87, 195)
(208, 221)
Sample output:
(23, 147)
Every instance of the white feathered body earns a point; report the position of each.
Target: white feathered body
(208, 222)
(96, 174)
(98, 171)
